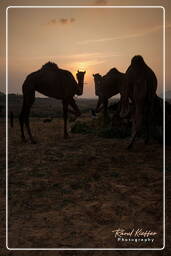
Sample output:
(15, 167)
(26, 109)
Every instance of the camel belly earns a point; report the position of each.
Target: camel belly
(54, 88)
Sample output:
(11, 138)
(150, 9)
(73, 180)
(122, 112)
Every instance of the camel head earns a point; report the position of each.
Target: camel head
(98, 83)
(137, 61)
(80, 78)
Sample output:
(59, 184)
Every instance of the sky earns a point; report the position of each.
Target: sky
(90, 39)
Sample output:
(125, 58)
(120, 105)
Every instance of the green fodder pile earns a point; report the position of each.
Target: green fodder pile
(106, 128)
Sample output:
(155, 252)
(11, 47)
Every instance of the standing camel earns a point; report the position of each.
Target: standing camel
(52, 82)
(141, 91)
(107, 86)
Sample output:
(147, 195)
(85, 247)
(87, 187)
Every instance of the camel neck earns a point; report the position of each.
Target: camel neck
(80, 88)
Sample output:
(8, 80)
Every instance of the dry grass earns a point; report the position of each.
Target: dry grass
(73, 193)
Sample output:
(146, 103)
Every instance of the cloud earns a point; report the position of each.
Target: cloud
(62, 21)
(51, 22)
(134, 35)
(72, 20)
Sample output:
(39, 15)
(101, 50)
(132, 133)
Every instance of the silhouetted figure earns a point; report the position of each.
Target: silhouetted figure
(141, 91)
(107, 86)
(52, 82)
(11, 119)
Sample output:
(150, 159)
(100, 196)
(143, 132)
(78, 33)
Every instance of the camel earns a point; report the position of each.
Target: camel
(141, 91)
(53, 82)
(107, 86)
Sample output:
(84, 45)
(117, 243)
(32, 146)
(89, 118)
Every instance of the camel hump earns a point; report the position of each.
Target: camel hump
(67, 77)
(97, 76)
(50, 66)
(112, 71)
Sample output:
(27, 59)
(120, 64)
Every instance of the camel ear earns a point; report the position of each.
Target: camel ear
(78, 71)
(93, 74)
(84, 72)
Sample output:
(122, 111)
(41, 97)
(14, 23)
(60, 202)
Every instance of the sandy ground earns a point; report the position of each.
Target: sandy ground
(73, 193)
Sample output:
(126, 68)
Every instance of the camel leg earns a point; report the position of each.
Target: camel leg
(134, 135)
(137, 125)
(71, 111)
(24, 116)
(73, 104)
(65, 115)
(29, 130)
(21, 120)
(99, 103)
(100, 108)
(29, 104)
(105, 104)
(147, 127)
(147, 131)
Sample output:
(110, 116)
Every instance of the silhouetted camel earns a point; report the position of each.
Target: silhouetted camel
(107, 86)
(52, 82)
(141, 91)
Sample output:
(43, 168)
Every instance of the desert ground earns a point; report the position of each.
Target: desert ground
(72, 193)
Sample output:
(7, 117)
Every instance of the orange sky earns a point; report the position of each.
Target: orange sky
(92, 39)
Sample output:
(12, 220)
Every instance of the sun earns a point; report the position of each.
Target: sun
(82, 66)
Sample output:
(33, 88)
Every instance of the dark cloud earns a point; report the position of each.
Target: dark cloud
(62, 21)
(52, 22)
(101, 2)
(72, 20)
